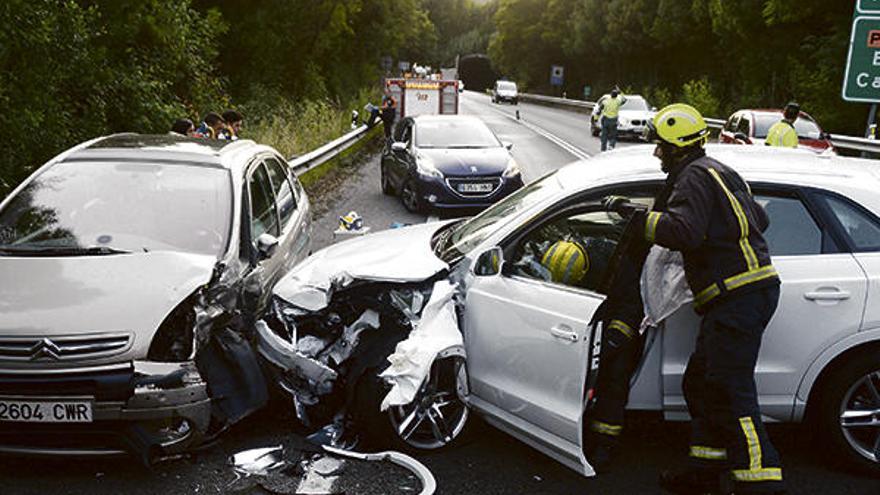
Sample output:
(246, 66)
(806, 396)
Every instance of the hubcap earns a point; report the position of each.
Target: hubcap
(860, 416)
(437, 415)
(409, 197)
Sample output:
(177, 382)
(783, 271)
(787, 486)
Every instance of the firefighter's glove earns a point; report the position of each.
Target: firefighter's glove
(622, 206)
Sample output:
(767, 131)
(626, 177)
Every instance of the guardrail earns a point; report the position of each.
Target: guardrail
(304, 163)
(838, 140)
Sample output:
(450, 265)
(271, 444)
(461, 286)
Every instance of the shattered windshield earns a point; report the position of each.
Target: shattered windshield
(457, 239)
(88, 208)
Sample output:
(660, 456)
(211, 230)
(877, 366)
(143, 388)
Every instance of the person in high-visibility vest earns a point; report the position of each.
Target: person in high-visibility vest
(609, 109)
(783, 132)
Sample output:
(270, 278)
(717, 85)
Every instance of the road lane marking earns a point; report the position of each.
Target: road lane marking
(432, 218)
(574, 150)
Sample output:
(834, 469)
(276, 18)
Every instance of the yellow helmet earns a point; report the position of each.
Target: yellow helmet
(678, 124)
(567, 262)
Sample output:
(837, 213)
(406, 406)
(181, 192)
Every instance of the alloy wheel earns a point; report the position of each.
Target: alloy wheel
(409, 197)
(860, 416)
(437, 416)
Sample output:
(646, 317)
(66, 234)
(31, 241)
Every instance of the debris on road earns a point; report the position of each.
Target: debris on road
(258, 462)
(429, 484)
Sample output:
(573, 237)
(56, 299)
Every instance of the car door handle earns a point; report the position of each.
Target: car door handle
(564, 332)
(833, 295)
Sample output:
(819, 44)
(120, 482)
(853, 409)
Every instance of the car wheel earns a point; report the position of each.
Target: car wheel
(409, 195)
(387, 188)
(437, 418)
(849, 411)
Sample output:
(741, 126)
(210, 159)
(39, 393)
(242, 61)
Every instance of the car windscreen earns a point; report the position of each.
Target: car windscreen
(120, 206)
(636, 103)
(454, 133)
(459, 238)
(805, 128)
(506, 86)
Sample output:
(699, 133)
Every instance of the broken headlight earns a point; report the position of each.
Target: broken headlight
(173, 341)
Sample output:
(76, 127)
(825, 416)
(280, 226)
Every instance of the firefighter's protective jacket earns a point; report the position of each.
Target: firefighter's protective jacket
(712, 218)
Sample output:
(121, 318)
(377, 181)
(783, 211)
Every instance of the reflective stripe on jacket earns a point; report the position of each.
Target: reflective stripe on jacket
(782, 134)
(712, 218)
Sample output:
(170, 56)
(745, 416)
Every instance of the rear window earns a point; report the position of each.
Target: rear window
(454, 133)
(506, 86)
(806, 129)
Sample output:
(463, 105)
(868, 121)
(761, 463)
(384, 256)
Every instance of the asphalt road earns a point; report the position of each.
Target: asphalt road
(489, 462)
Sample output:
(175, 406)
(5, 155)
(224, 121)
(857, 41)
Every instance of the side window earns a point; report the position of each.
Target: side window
(399, 130)
(283, 192)
(730, 126)
(792, 230)
(264, 218)
(406, 136)
(860, 226)
(743, 125)
(573, 249)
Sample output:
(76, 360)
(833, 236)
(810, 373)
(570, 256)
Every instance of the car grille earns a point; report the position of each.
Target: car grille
(638, 122)
(63, 348)
(474, 187)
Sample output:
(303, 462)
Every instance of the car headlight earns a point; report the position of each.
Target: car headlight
(624, 122)
(426, 167)
(512, 169)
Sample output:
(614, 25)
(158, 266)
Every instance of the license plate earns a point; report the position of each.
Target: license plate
(49, 411)
(479, 187)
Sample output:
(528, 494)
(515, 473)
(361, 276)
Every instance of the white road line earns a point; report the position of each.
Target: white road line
(432, 218)
(321, 476)
(574, 150)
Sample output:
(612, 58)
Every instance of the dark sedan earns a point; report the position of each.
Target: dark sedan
(448, 161)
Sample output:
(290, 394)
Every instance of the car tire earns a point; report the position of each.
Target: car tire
(387, 188)
(847, 400)
(436, 419)
(409, 195)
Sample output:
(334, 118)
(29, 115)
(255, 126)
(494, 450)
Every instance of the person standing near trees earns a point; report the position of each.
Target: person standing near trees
(234, 120)
(389, 113)
(609, 109)
(211, 126)
(783, 133)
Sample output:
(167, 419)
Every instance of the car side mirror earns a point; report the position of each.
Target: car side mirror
(653, 109)
(490, 263)
(267, 244)
(739, 136)
(398, 147)
(507, 145)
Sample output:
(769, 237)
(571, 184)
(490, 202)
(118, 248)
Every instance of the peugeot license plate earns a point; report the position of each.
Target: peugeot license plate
(475, 187)
(46, 411)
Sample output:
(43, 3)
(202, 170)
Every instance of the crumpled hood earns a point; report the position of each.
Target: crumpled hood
(129, 293)
(468, 162)
(396, 255)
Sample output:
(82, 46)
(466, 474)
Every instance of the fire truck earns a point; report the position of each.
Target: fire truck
(423, 96)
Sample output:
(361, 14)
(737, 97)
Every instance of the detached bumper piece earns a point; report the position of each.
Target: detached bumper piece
(149, 410)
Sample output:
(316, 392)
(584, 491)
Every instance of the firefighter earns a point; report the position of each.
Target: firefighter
(783, 132)
(712, 218)
(609, 110)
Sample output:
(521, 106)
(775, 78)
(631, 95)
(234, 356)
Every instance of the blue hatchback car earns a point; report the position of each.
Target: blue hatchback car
(448, 161)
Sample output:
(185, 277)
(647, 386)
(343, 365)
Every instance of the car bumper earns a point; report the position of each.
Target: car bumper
(144, 409)
(510, 99)
(439, 192)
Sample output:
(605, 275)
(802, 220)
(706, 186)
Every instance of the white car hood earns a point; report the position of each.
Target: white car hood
(128, 293)
(636, 115)
(396, 255)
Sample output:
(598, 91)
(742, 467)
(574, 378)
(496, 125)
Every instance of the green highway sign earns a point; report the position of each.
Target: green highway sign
(868, 7)
(861, 82)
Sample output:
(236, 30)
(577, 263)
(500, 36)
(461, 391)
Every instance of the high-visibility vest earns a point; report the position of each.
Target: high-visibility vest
(782, 134)
(611, 106)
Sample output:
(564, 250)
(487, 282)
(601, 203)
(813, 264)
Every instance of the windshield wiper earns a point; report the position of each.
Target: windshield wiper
(61, 251)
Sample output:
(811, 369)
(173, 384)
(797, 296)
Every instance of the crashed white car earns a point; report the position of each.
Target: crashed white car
(468, 321)
(132, 270)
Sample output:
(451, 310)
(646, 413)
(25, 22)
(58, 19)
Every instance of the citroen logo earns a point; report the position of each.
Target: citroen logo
(45, 349)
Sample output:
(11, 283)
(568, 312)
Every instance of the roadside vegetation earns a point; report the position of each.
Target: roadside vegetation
(719, 55)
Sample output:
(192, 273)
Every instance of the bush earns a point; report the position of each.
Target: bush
(700, 95)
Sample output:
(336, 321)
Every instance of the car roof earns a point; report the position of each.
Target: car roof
(776, 112)
(775, 165)
(170, 148)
